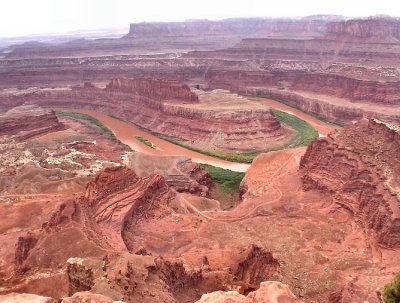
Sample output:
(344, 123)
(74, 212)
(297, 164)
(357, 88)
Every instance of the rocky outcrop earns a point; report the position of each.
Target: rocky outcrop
(196, 173)
(253, 266)
(27, 121)
(180, 173)
(130, 277)
(368, 30)
(81, 273)
(154, 89)
(269, 292)
(23, 246)
(97, 219)
(359, 167)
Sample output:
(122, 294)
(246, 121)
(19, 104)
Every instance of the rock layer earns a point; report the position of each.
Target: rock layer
(155, 90)
(27, 121)
(372, 29)
(308, 26)
(359, 167)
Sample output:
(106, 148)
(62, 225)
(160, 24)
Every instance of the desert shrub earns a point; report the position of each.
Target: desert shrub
(145, 142)
(229, 180)
(391, 291)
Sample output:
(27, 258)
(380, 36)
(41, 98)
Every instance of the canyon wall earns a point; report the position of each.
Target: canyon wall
(359, 167)
(308, 26)
(355, 90)
(154, 89)
(373, 29)
(27, 121)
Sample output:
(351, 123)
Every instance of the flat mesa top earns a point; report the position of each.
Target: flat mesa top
(220, 100)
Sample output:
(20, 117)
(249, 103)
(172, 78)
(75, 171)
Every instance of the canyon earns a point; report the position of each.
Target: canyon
(115, 180)
(216, 121)
(338, 69)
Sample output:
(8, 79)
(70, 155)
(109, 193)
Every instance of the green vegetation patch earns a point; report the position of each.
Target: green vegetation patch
(391, 291)
(306, 132)
(229, 180)
(322, 119)
(80, 116)
(146, 142)
(118, 118)
(233, 157)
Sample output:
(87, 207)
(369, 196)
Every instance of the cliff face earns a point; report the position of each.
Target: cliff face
(158, 90)
(355, 90)
(24, 122)
(238, 27)
(359, 167)
(372, 29)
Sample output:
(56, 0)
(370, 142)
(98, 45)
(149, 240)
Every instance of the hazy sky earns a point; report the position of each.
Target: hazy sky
(25, 17)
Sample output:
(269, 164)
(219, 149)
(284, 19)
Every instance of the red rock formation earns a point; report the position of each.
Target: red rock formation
(180, 172)
(130, 278)
(96, 220)
(253, 266)
(366, 30)
(155, 90)
(100, 228)
(197, 173)
(24, 245)
(28, 121)
(359, 166)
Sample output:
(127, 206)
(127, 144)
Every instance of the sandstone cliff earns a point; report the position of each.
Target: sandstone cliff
(153, 89)
(218, 121)
(24, 122)
(359, 167)
(367, 30)
(179, 172)
(260, 27)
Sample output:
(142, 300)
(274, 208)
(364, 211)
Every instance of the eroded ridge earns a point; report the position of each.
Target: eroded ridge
(359, 167)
